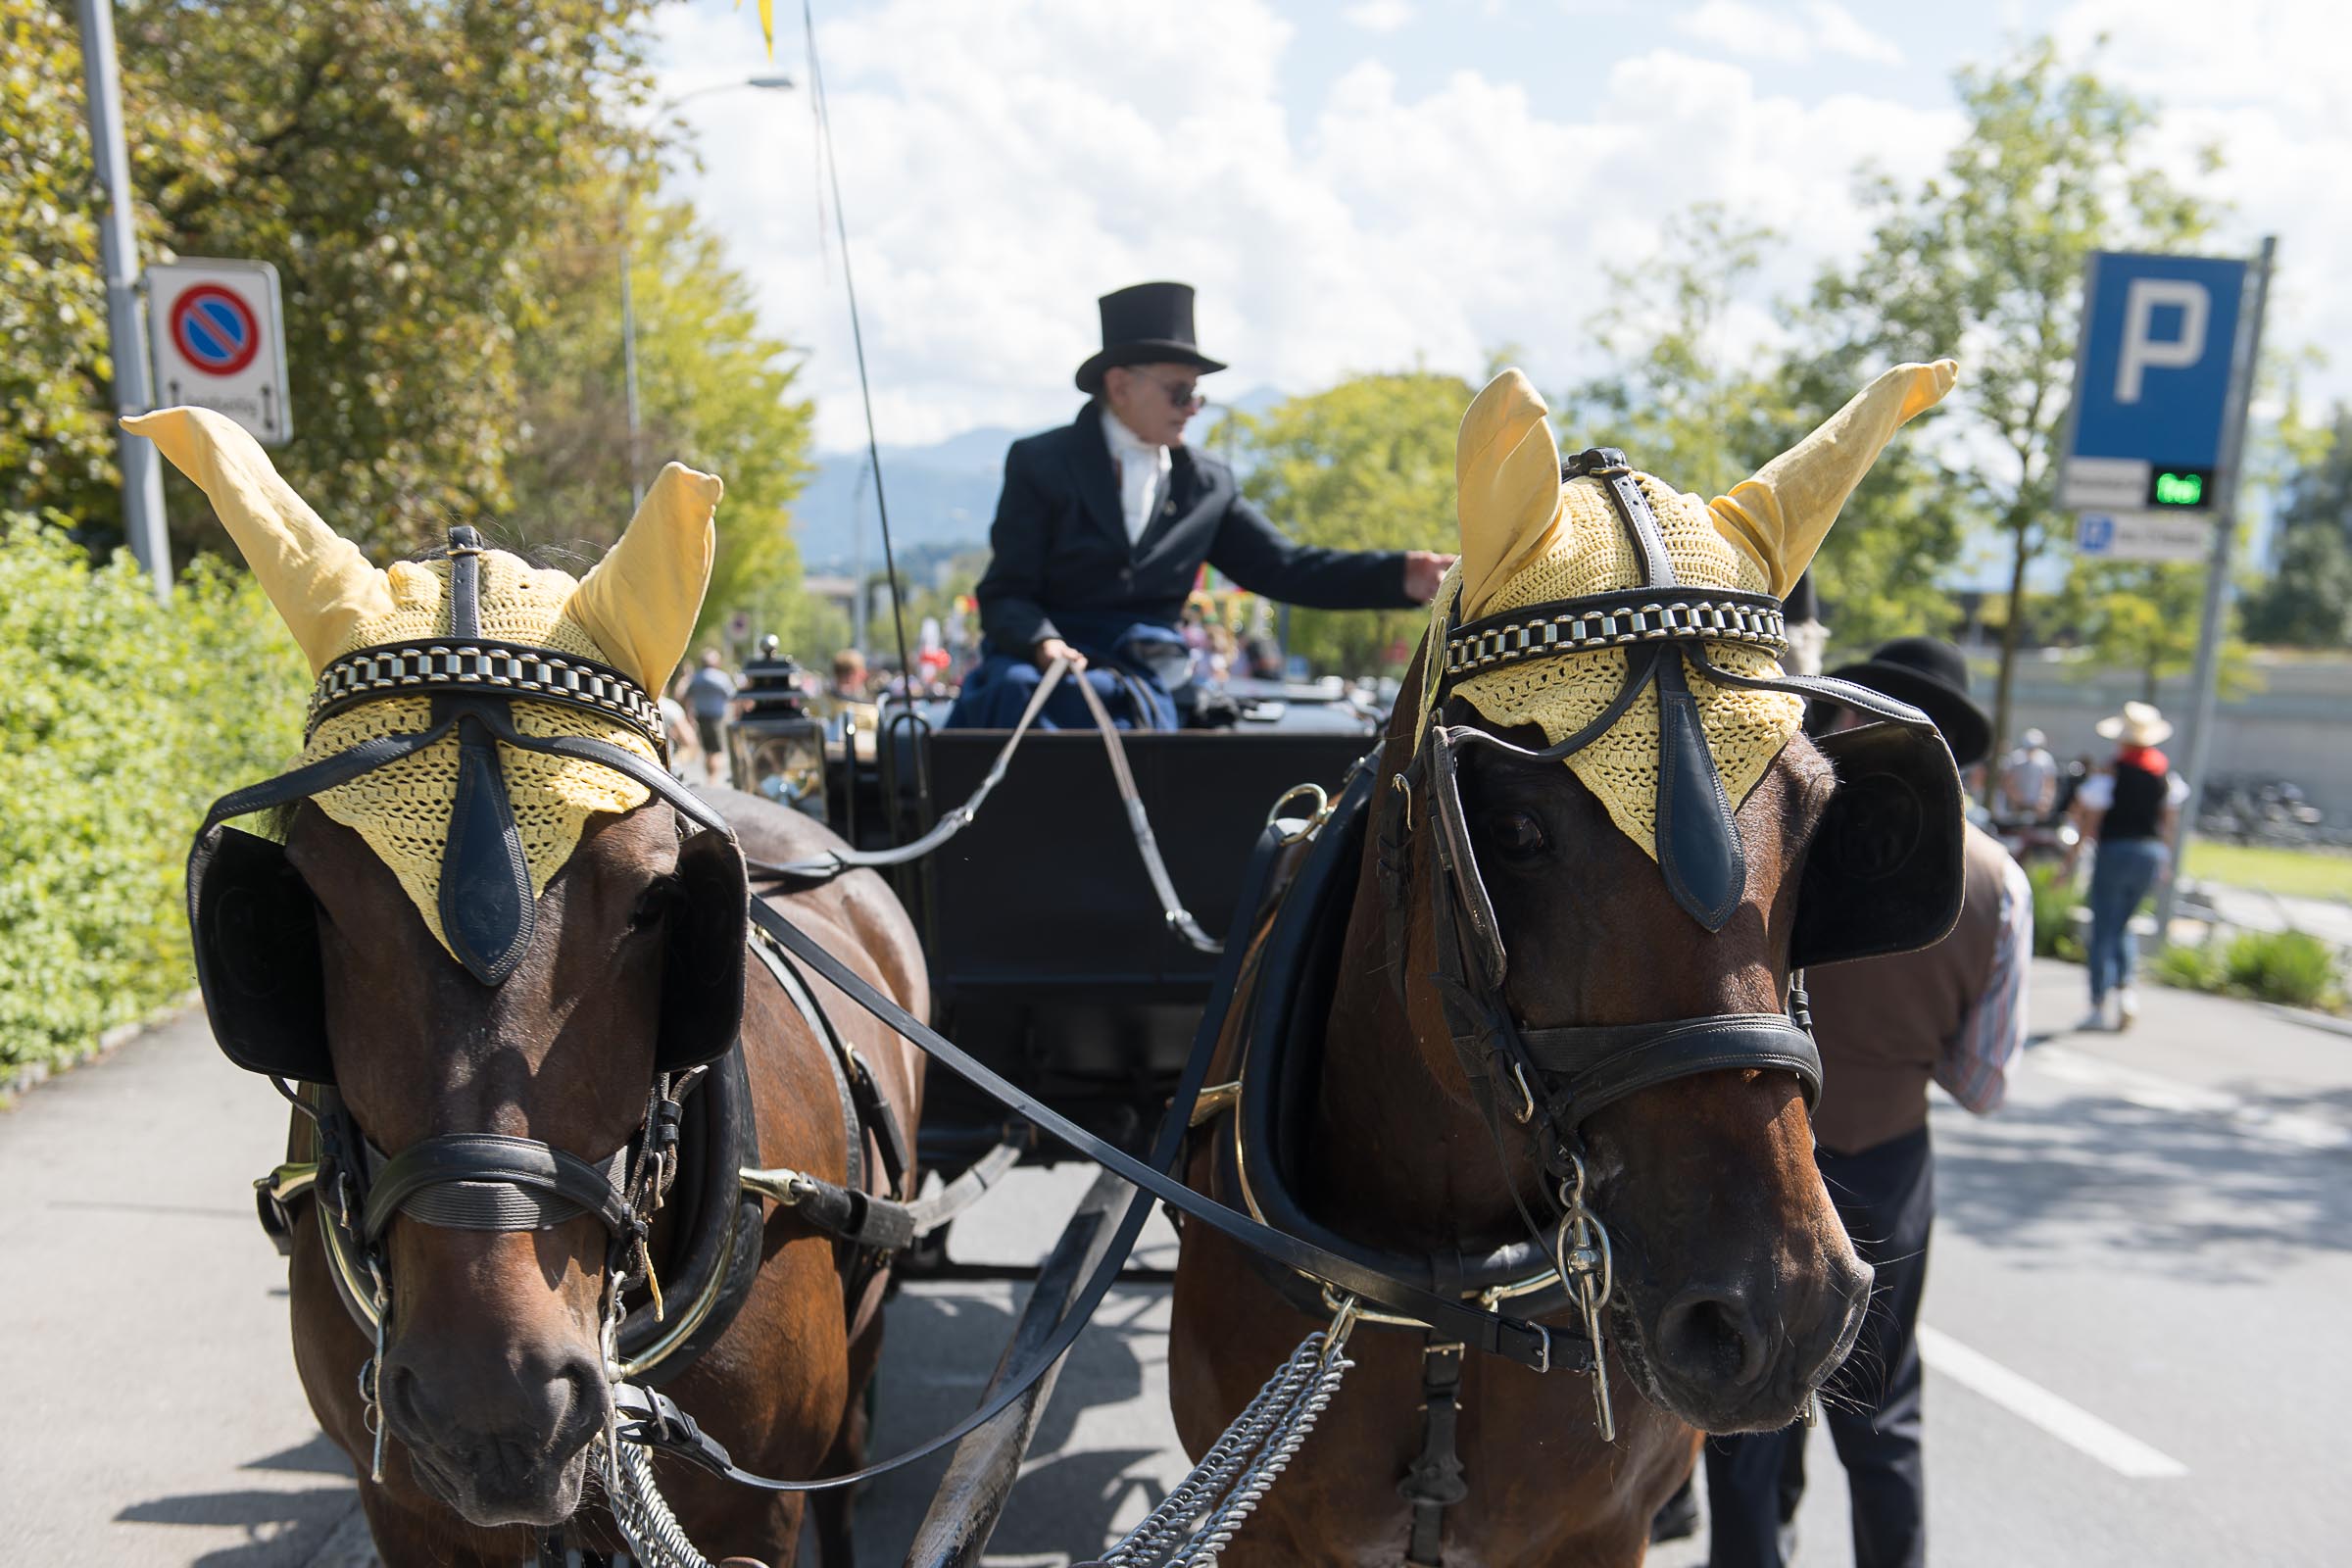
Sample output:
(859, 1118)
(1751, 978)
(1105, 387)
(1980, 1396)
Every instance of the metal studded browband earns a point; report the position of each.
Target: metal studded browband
(482, 668)
(1617, 620)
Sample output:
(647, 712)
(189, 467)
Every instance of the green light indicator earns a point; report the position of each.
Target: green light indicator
(2180, 489)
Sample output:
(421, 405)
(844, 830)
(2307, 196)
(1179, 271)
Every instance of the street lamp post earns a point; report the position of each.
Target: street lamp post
(628, 300)
(127, 331)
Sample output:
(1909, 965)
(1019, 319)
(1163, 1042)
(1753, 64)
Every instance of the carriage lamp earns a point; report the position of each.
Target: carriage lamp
(775, 745)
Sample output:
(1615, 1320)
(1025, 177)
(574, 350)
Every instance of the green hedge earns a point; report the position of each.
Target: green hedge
(121, 720)
(2291, 968)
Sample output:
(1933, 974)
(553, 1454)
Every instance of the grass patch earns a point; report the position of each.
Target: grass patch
(2290, 968)
(2055, 901)
(2313, 874)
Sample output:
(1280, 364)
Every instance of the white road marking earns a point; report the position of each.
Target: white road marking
(2152, 1093)
(2068, 1423)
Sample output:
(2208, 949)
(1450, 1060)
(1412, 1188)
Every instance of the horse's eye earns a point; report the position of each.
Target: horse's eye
(1517, 835)
(654, 905)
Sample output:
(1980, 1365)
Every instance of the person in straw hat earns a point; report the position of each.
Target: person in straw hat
(2131, 810)
(1104, 526)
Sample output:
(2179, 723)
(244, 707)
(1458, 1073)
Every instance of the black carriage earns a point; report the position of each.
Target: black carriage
(1051, 957)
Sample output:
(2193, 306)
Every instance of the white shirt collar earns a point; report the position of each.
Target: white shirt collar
(1141, 467)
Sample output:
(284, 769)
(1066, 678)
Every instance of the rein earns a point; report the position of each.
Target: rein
(1138, 823)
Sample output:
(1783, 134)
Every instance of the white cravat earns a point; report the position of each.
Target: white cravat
(1143, 470)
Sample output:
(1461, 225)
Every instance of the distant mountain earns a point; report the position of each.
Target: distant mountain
(942, 494)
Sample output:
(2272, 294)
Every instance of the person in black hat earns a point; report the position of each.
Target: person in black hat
(1954, 1015)
(1102, 528)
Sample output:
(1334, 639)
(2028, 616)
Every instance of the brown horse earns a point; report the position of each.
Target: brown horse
(508, 951)
(1736, 1290)
(493, 1380)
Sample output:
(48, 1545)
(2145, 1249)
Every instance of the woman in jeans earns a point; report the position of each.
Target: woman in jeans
(2129, 809)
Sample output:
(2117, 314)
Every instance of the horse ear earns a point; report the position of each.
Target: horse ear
(323, 588)
(641, 601)
(1779, 517)
(1507, 472)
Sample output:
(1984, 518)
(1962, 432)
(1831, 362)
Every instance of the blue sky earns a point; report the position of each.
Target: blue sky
(1369, 184)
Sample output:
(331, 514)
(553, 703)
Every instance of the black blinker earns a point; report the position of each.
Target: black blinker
(487, 909)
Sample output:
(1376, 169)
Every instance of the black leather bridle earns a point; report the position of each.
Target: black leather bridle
(265, 998)
(1552, 1080)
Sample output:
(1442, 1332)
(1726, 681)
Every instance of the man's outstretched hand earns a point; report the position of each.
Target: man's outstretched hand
(1052, 648)
(1424, 570)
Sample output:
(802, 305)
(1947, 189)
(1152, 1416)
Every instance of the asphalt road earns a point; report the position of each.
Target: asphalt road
(2137, 1309)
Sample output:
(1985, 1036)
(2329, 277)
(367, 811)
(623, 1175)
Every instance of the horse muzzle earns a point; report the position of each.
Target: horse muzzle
(503, 1443)
(1746, 1355)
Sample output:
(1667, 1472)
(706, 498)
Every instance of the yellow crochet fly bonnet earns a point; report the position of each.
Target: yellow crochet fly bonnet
(1531, 538)
(634, 612)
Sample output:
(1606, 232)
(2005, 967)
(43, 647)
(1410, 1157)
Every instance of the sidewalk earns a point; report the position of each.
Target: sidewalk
(2216, 1043)
(156, 1419)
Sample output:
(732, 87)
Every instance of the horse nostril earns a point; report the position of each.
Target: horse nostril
(1709, 1333)
(397, 1390)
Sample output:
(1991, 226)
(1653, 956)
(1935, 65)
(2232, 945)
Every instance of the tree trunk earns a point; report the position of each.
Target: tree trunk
(2011, 631)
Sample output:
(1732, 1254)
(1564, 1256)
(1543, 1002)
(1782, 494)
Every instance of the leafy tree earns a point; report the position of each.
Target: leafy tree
(1678, 401)
(2144, 616)
(56, 443)
(1368, 465)
(1685, 407)
(398, 160)
(714, 393)
(2308, 599)
(1985, 263)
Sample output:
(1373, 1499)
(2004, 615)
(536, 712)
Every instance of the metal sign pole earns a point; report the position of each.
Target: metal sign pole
(119, 251)
(2206, 683)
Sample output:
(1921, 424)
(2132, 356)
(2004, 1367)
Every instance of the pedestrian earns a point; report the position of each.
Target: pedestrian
(1103, 525)
(2028, 780)
(848, 676)
(710, 694)
(1953, 1014)
(2130, 810)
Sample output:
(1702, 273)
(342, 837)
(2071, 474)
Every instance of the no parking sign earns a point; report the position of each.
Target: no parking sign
(220, 343)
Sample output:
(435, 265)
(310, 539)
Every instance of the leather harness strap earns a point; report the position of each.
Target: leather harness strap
(1435, 1482)
(490, 1182)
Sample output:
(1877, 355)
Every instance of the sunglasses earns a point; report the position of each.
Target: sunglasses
(1184, 395)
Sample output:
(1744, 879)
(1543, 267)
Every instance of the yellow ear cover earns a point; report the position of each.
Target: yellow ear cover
(1779, 517)
(640, 601)
(321, 585)
(1506, 470)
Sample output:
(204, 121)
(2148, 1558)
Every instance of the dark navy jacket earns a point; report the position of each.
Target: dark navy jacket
(1062, 546)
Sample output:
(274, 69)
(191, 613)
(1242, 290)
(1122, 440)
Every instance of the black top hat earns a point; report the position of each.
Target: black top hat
(1931, 675)
(1149, 323)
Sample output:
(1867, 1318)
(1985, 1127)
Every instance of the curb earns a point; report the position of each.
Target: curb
(2323, 1022)
(31, 1075)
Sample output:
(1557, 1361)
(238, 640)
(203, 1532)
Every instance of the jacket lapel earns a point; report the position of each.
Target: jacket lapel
(1090, 465)
(1175, 500)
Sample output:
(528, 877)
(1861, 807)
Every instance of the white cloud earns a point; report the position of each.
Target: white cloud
(1379, 16)
(1839, 33)
(1754, 33)
(1000, 176)
(1747, 30)
(998, 179)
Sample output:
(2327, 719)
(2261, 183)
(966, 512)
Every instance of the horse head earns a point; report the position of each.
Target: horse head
(512, 948)
(1600, 811)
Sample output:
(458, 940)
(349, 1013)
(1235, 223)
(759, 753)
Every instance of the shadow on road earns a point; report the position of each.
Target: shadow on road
(281, 1528)
(941, 1346)
(2153, 1189)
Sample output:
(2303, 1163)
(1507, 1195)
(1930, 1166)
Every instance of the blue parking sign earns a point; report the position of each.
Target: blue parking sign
(2152, 383)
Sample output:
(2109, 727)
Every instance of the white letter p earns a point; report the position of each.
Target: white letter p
(2141, 352)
